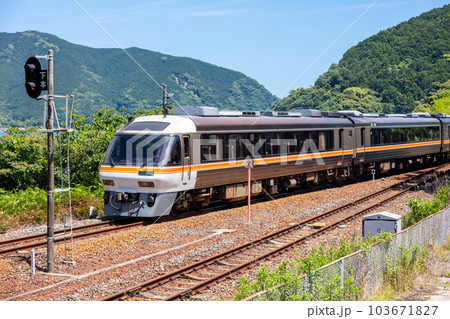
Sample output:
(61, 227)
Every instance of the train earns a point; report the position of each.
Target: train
(166, 164)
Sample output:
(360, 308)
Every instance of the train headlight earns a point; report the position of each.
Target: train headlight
(146, 184)
(108, 182)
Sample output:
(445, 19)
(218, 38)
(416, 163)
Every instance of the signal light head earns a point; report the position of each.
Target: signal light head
(32, 70)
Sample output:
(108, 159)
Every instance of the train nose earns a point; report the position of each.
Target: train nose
(138, 204)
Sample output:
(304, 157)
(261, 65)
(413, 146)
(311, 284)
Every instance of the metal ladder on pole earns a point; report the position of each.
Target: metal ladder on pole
(64, 167)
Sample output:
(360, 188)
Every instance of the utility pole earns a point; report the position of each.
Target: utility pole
(165, 100)
(50, 167)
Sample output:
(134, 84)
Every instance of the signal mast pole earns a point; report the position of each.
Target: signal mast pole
(50, 167)
(37, 80)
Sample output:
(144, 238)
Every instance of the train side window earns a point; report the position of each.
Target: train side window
(272, 144)
(329, 140)
(290, 143)
(252, 145)
(374, 140)
(341, 134)
(436, 133)
(208, 147)
(314, 137)
(232, 146)
(302, 136)
(309, 141)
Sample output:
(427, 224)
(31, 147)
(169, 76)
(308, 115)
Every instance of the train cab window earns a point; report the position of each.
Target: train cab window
(208, 147)
(175, 154)
(143, 150)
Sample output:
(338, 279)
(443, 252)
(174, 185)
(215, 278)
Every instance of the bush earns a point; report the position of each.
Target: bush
(419, 209)
(29, 206)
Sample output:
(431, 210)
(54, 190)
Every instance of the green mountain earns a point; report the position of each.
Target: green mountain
(109, 78)
(393, 71)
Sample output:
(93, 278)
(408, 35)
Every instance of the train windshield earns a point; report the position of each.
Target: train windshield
(144, 150)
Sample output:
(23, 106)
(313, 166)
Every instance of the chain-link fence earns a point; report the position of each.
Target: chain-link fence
(361, 274)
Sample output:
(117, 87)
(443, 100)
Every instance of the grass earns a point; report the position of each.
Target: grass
(29, 207)
(414, 275)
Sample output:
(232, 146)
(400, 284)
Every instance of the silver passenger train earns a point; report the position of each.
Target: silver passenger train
(157, 165)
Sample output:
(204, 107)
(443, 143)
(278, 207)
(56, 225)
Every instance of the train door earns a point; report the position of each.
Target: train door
(341, 147)
(186, 160)
(362, 149)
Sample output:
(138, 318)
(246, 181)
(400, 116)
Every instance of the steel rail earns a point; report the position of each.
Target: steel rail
(42, 236)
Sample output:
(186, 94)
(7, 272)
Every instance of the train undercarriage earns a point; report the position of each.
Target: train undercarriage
(201, 198)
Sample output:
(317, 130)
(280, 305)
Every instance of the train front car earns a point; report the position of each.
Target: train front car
(146, 165)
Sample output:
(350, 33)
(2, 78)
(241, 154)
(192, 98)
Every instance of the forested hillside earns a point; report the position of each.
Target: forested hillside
(109, 78)
(393, 71)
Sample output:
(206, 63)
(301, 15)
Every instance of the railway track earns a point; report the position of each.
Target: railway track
(182, 283)
(14, 245)
(81, 232)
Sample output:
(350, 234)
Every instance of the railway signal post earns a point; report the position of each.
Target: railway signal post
(249, 165)
(50, 170)
(37, 80)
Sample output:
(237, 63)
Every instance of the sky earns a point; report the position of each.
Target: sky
(283, 44)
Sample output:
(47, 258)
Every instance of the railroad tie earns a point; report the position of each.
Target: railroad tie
(147, 295)
(174, 288)
(224, 263)
(215, 268)
(183, 283)
(290, 238)
(270, 246)
(161, 292)
(189, 276)
(249, 254)
(260, 250)
(206, 273)
(237, 257)
(276, 243)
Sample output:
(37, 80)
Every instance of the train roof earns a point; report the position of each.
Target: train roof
(394, 121)
(266, 123)
(210, 119)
